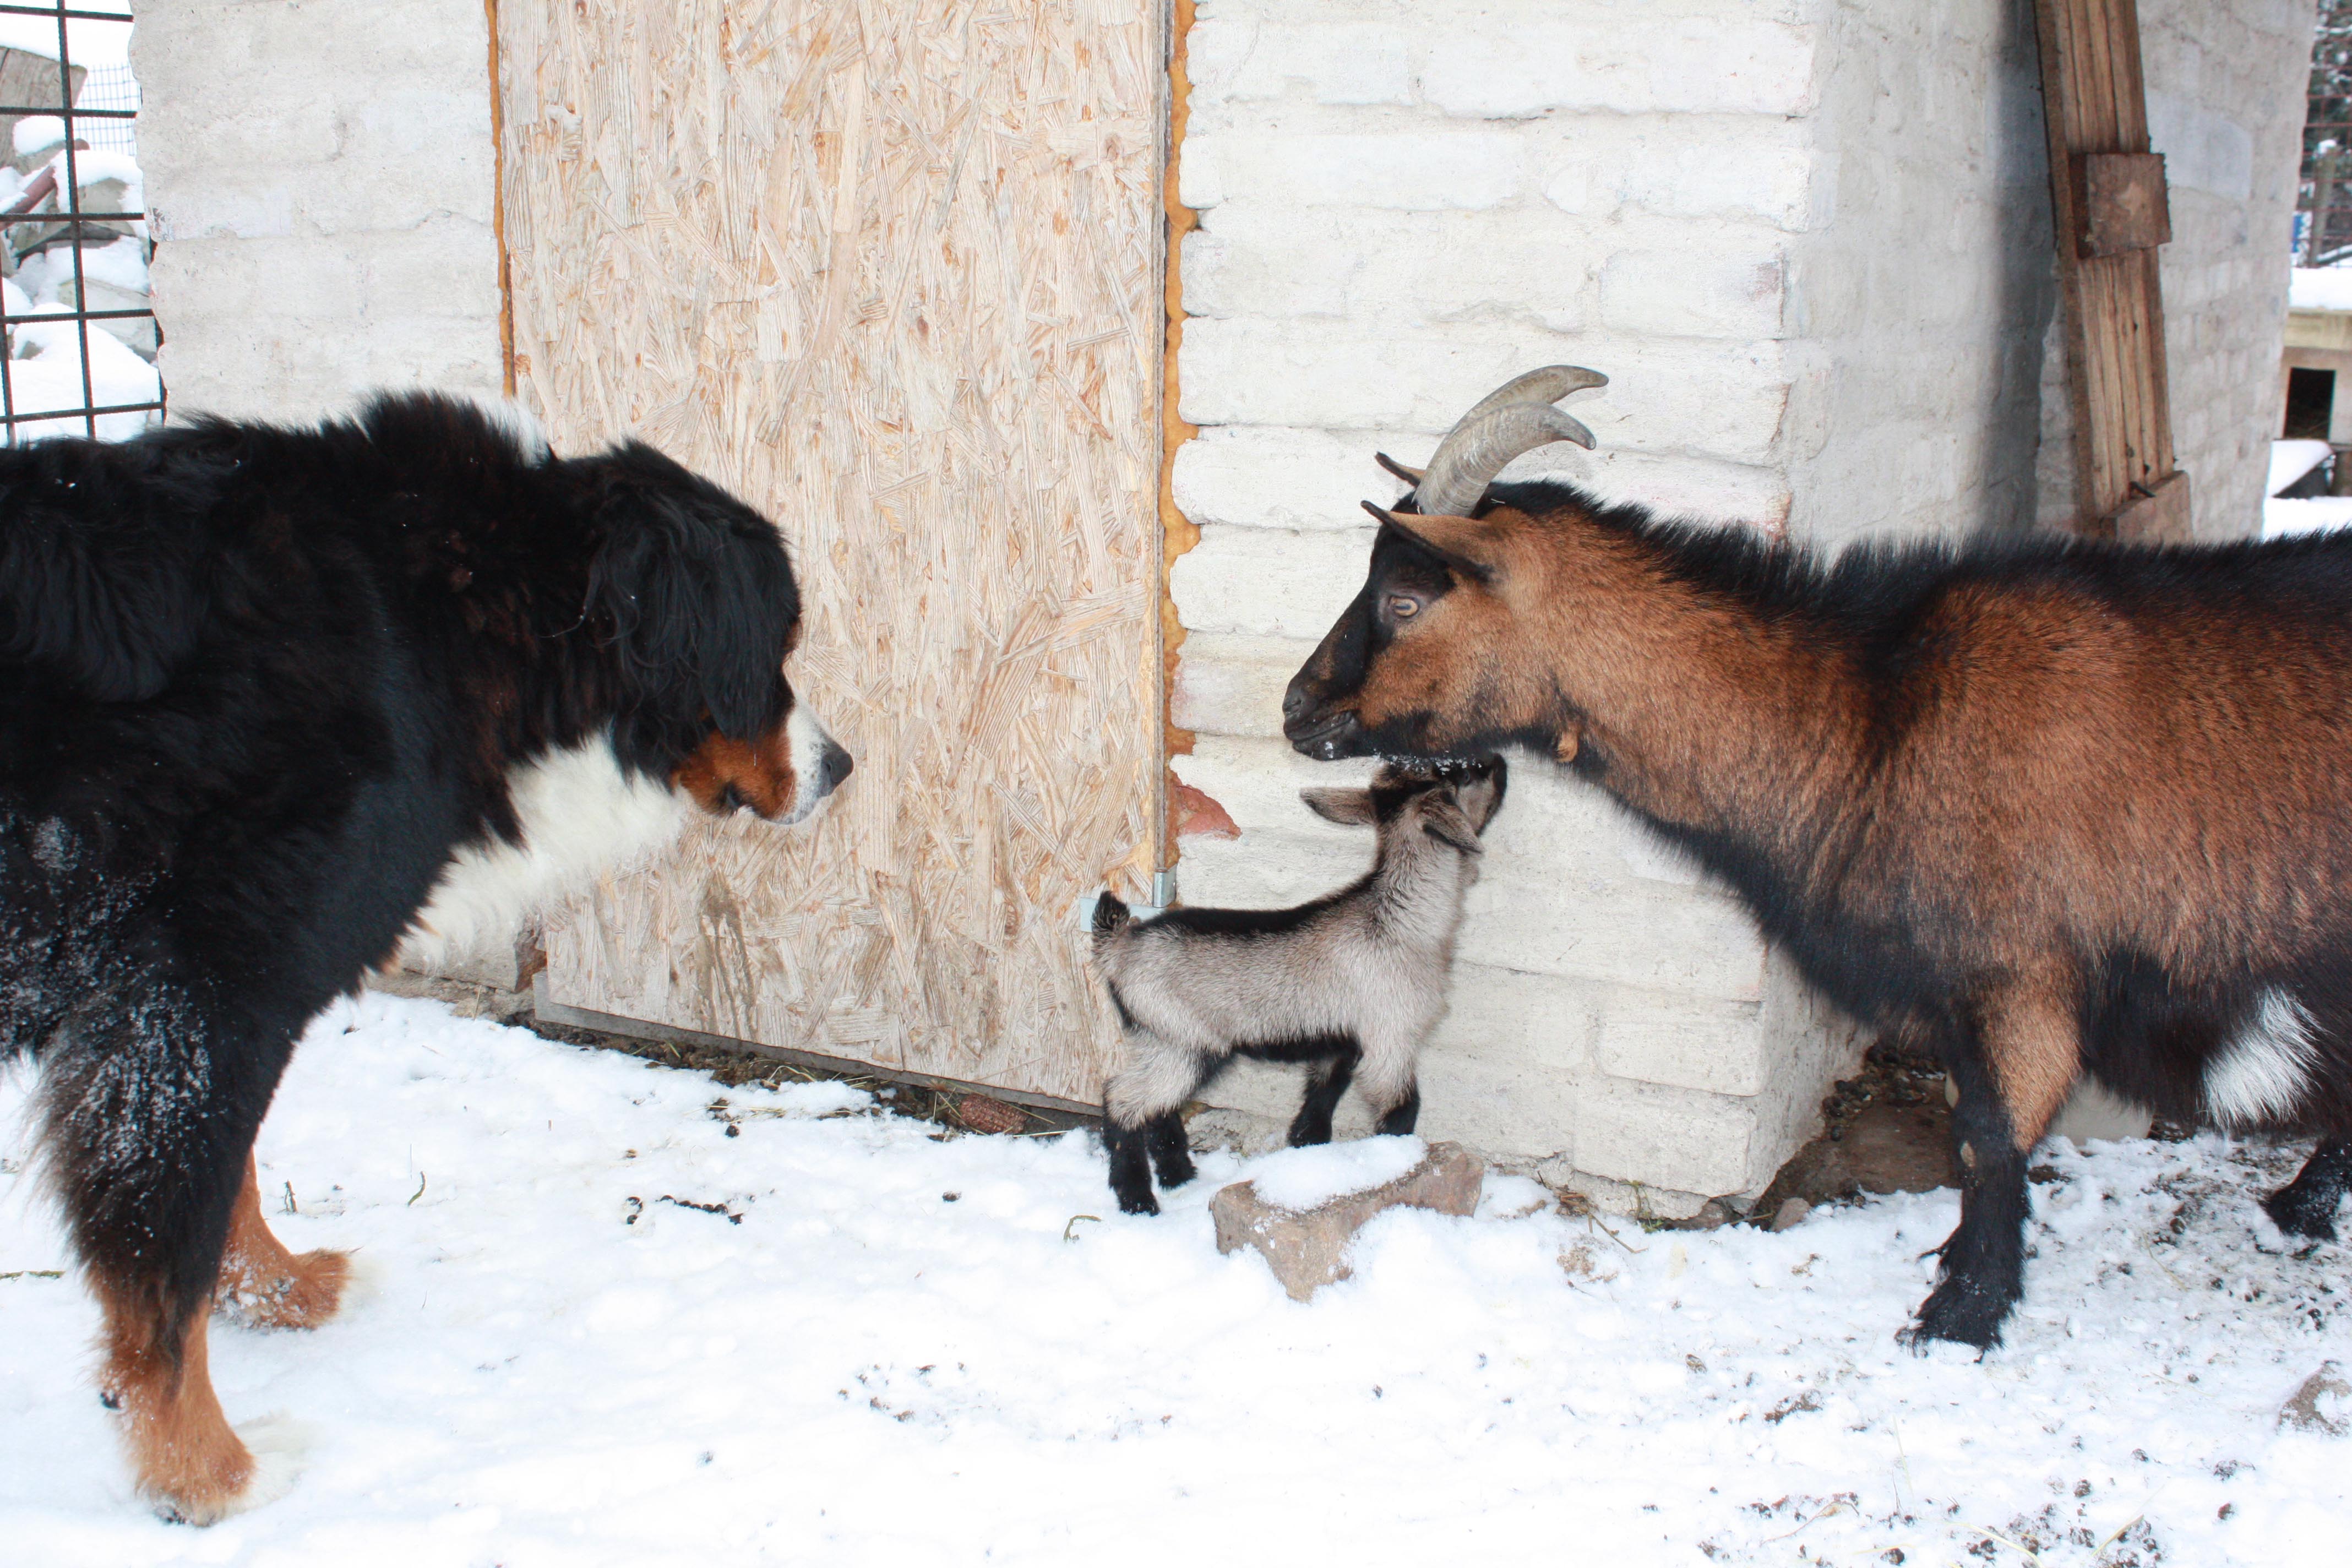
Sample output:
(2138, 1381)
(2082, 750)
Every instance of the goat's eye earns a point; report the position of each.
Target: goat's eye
(1403, 608)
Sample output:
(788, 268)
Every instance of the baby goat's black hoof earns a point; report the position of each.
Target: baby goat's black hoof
(1138, 1202)
(1305, 1132)
(1172, 1155)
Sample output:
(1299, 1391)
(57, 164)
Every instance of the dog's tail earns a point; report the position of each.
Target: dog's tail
(98, 599)
(1111, 916)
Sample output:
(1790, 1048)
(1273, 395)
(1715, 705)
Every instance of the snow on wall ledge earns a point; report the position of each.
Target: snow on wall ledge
(322, 177)
(1726, 206)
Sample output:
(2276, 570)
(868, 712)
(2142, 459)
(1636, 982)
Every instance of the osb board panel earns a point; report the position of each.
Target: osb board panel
(888, 270)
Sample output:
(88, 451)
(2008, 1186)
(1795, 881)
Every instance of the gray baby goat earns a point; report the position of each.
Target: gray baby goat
(1351, 982)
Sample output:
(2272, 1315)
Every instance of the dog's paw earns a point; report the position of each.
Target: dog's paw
(257, 1467)
(308, 1290)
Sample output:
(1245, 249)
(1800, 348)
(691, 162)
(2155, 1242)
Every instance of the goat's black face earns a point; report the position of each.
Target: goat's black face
(1322, 710)
(1428, 660)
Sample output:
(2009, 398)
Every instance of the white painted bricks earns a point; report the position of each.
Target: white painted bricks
(1811, 246)
(321, 179)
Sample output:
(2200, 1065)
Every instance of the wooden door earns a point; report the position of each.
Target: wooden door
(889, 270)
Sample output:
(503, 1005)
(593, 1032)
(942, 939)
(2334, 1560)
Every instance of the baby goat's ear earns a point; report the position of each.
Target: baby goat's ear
(1348, 807)
(1444, 820)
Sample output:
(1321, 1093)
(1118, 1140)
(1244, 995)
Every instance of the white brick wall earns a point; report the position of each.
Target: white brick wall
(1811, 244)
(2225, 106)
(321, 173)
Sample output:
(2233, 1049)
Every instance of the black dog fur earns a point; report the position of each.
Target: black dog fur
(257, 686)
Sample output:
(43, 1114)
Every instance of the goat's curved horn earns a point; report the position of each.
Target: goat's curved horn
(1549, 385)
(1470, 456)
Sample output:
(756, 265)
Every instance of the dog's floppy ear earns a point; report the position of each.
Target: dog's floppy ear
(1348, 807)
(697, 590)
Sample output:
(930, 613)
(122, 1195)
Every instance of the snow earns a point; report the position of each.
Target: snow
(2316, 515)
(36, 133)
(122, 263)
(2290, 460)
(46, 374)
(94, 43)
(1302, 1179)
(2320, 289)
(896, 1346)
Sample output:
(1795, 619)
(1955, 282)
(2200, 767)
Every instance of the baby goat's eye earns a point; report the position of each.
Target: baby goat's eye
(1403, 607)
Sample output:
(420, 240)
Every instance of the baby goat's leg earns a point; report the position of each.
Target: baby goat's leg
(1405, 1115)
(1326, 1080)
(1172, 1153)
(1142, 1107)
(1391, 1081)
(2306, 1206)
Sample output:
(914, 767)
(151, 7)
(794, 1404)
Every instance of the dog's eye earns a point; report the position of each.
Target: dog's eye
(1403, 607)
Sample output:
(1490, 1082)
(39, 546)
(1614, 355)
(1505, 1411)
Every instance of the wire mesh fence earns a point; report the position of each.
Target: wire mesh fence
(80, 330)
(2323, 218)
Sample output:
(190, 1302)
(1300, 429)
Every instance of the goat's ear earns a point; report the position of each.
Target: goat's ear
(1482, 796)
(1471, 546)
(1443, 819)
(1348, 807)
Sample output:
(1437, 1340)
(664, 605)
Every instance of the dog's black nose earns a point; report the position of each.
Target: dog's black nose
(835, 767)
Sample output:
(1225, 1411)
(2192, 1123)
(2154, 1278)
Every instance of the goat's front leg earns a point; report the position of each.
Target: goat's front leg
(1172, 1150)
(1326, 1080)
(1143, 1118)
(2306, 1206)
(1405, 1115)
(2013, 1069)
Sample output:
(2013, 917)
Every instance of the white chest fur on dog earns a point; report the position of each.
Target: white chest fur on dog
(581, 815)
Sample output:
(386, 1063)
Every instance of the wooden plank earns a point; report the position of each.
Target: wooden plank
(2107, 199)
(890, 272)
(2123, 203)
(2160, 517)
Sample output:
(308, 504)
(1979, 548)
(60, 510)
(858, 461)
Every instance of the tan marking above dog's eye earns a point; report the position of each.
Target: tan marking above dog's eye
(1403, 608)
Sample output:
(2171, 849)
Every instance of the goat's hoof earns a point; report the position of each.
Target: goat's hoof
(2303, 1213)
(1958, 1313)
(1304, 1135)
(1137, 1203)
(1175, 1172)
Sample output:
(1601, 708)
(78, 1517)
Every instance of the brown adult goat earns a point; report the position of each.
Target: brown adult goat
(2058, 806)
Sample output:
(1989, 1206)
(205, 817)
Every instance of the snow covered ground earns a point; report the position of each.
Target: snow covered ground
(885, 1345)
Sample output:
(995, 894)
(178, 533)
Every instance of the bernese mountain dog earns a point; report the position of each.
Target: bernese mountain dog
(274, 702)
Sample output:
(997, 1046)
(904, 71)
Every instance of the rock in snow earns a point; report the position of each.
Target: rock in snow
(2323, 1404)
(1308, 1249)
